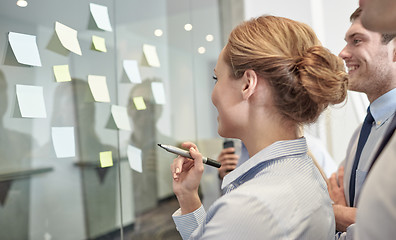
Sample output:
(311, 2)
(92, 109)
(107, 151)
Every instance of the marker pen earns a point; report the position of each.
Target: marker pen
(186, 154)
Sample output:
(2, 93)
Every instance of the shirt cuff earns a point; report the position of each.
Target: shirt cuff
(350, 232)
(187, 223)
(348, 235)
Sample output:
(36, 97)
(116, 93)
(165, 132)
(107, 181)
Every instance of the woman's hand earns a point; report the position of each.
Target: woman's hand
(187, 174)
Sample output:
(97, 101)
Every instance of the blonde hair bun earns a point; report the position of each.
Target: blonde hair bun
(304, 76)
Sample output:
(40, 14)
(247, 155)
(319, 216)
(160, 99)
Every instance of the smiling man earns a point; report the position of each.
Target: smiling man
(376, 216)
(371, 61)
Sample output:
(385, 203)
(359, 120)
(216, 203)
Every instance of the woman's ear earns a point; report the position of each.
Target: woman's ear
(249, 86)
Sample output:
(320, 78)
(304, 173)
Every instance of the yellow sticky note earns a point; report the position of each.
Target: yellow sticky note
(106, 159)
(99, 43)
(62, 73)
(139, 103)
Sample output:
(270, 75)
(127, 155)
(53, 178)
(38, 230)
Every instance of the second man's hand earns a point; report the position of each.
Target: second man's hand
(228, 160)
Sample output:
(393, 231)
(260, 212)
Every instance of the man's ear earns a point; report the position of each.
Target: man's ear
(394, 49)
(394, 54)
(250, 79)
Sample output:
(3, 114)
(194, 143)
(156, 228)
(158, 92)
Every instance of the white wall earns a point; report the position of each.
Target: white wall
(330, 20)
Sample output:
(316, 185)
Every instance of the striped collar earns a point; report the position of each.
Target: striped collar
(276, 150)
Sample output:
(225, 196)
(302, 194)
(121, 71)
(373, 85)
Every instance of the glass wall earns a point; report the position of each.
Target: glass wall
(87, 90)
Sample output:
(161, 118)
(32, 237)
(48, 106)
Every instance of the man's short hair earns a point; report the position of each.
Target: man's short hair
(386, 38)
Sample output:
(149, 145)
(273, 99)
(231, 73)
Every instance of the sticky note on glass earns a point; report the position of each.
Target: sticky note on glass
(132, 70)
(101, 16)
(68, 37)
(98, 86)
(99, 43)
(120, 116)
(150, 52)
(106, 159)
(31, 101)
(62, 73)
(135, 158)
(158, 92)
(25, 48)
(139, 103)
(63, 141)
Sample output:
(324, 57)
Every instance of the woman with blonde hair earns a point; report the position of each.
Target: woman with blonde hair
(272, 77)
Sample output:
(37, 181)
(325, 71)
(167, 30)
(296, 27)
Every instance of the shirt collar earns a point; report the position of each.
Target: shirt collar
(384, 107)
(276, 150)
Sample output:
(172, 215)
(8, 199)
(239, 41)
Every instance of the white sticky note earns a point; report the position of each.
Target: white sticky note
(25, 48)
(101, 16)
(132, 70)
(99, 43)
(62, 73)
(63, 142)
(150, 52)
(158, 92)
(31, 101)
(98, 86)
(135, 158)
(120, 116)
(68, 37)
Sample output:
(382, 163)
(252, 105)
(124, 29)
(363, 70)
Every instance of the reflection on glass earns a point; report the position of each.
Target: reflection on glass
(85, 192)
(99, 184)
(155, 182)
(14, 194)
(144, 137)
(78, 199)
(56, 196)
